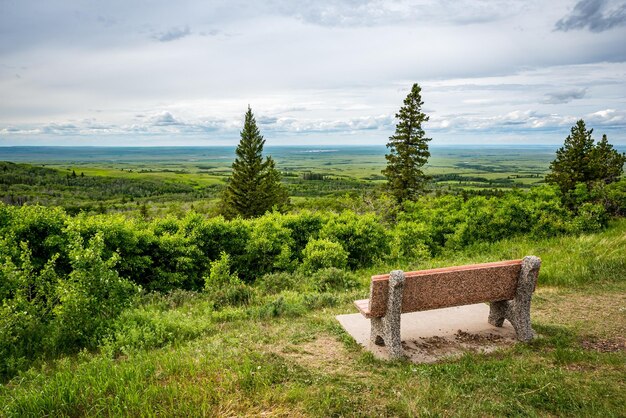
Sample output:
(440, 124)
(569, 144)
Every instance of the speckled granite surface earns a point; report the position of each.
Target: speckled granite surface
(452, 286)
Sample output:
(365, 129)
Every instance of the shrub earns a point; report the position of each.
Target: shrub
(304, 226)
(45, 313)
(411, 240)
(223, 287)
(332, 279)
(269, 247)
(91, 297)
(273, 283)
(591, 217)
(362, 236)
(321, 254)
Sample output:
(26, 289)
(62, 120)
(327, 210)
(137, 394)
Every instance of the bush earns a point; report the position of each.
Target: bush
(333, 279)
(44, 313)
(321, 254)
(224, 287)
(591, 217)
(411, 240)
(90, 298)
(273, 283)
(269, 247)
(362, 236)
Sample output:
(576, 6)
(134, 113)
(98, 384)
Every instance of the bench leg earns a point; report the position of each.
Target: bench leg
(517, 311)
(519, 307)
(497, 312)
(386, 330)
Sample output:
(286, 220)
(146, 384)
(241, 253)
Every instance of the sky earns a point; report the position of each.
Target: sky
(327, 72)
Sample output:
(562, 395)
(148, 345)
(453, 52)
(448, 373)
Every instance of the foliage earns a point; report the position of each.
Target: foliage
(223, 286)
(580, 161)
(321, 254)
(362, 236)
(43, 312)
(408, 150)
(254, 187)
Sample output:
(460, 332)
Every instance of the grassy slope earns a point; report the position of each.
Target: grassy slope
(286, 355)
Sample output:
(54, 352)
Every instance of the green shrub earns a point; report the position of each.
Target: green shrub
(332, 279)
(321, 254)
(411, 240)
(90, 298)
(273, 283)
(362, 236)
(304, 226)
(591, 217)
(223, 287)
(269, 247)
(43, 313)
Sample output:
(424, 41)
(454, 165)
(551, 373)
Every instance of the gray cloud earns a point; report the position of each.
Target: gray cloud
(173, 34)
(165, 119)
(594, 15)
(564, 96)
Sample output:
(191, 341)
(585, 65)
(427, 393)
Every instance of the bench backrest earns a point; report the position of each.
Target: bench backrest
(447, 287)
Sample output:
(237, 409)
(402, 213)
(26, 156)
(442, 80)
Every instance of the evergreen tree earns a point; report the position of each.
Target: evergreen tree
(579, 160)
(573, 160)
(608, 164)
(254, 187)
(408, 150)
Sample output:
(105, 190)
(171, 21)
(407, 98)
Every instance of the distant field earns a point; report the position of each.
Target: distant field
(124, 178)
(359, 163)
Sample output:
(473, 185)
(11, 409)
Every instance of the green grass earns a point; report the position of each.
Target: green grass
(286, 355)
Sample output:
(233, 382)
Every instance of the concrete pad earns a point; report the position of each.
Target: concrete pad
(430, 336)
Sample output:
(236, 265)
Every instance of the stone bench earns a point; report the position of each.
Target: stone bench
(506, 285)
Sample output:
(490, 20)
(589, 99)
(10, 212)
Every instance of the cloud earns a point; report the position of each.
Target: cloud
(564, 96)
(359, 13)
(173, 34)
(612, 117)
(593, 14)
(165, 119)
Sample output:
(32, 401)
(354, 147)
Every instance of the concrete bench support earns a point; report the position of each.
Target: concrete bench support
(386, 330)
(517, 311)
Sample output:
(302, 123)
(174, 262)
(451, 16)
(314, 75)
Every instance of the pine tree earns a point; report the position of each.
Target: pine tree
(607, 163)
(254, 187)
(573, 160)
(579, 160)
(408, 150)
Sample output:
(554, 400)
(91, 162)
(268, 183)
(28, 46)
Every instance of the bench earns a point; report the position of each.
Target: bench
(506, 285)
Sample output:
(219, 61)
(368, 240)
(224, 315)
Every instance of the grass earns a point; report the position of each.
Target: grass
(286, 355)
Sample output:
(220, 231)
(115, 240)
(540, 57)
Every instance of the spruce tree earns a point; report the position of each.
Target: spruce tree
(579, 160)
(408, 150)
(254, 187)
(607, 163)
(573, 160)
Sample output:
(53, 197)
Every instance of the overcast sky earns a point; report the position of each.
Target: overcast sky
(139, 72)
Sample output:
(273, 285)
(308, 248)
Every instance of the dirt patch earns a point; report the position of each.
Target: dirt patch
(604, 345)
(324, 354)
(466, 337)
(434, 349)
